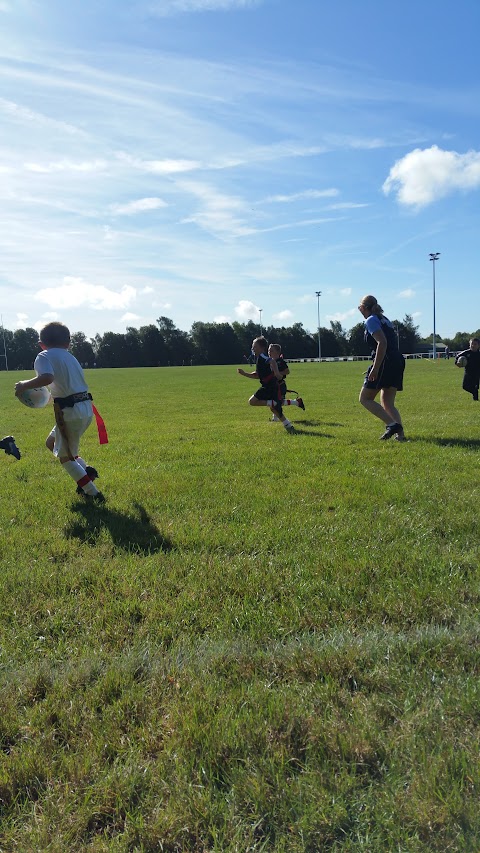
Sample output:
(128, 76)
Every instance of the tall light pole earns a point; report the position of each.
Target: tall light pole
(318, 294)
(260, 312)
(434, 256)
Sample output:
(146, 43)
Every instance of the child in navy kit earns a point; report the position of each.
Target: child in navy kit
(275, 351)
(269, 393)
(386, 372)
(57, 368)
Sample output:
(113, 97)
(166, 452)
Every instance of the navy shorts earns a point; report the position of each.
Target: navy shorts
(390, 374)
(270, 392)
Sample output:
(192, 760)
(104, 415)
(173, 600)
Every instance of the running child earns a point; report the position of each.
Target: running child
(275, 351)
(56, 367)
(269, 393)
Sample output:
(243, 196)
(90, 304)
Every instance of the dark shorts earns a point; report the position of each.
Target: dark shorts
(270, 392)
(390, 374)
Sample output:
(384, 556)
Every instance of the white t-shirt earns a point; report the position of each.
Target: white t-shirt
(66, 370)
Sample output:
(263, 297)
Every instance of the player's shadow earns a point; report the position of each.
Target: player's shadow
(299, 429)
(135, 533)
(467, 443)
(306, 422)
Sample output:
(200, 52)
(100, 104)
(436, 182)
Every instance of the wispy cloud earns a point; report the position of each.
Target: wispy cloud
(346, 291)
(129, 317)
(427, 175)
(406, 294)
(140, 205)
(341, 316)
(283, 315)
(305, 194)
(66, 166)
(166, 8)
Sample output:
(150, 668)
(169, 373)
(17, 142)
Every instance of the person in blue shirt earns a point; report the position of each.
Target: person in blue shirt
(385, 374)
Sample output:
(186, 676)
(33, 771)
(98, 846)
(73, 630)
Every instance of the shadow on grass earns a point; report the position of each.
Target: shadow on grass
(306, 422)
(128, 532)
(466, 443)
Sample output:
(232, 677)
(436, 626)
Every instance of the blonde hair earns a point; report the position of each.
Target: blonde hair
(371, 304)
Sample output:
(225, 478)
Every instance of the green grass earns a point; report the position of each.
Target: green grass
(263, 641)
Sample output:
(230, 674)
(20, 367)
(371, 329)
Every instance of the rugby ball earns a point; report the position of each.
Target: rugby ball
(35, 398)
(462, 360)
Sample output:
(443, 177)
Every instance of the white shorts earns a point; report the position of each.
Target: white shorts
(77, 419)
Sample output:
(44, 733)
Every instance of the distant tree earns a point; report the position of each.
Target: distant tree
(356, 340)
(111, 350)
(178, 345)
(25, 348)
(215, 343)
(341, 337)
(154, 350)
(82, 349)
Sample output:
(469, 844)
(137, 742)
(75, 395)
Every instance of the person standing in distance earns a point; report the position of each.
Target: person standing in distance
(385, 374)
(471, 377)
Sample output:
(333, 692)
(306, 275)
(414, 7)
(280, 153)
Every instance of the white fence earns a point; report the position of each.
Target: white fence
(366, 357)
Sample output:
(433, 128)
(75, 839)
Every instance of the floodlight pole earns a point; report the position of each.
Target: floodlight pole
(318, 295)
(260, 312)
(434, 256)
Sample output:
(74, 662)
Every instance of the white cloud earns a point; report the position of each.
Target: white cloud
(346, 291)
(339, 317)
(76, 292)
(426, 175)
(246, 310)
(165, 8)
(301, 195)
(66, 166)
(138, 206)
(346, 205)
(307, 298)
(406, 294)
(21, 321)
(160, 167)
(416, 315)
(128, 317)
(283, 315)
(222, 318)
(147, 289)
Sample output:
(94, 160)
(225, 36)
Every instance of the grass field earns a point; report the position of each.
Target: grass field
(263, 641)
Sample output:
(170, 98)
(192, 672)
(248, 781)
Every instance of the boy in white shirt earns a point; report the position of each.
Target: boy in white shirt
(56, 367)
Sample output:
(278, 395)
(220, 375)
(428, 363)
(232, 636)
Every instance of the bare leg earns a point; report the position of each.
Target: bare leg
(367, 399)
(387, 397)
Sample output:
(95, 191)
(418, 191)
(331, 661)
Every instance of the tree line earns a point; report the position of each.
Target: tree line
(162, 344)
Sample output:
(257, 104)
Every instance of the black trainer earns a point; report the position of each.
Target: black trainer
(300, 403)
(92, 473)
(391, 430)
(99, 498)
(8, 445)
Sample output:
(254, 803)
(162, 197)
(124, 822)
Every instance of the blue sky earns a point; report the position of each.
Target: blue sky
(203, 159)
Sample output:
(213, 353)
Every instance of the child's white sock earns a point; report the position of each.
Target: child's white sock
(77, 473)
(81, 462)
(287, 423)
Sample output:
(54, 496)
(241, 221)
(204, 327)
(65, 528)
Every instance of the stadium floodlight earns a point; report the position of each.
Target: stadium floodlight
(434, 256)
(318, 294)
(260, 312)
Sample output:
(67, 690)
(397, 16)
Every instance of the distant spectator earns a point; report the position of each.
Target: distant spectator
(471, 376)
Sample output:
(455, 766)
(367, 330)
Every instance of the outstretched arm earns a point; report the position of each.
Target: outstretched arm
(253, 375)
